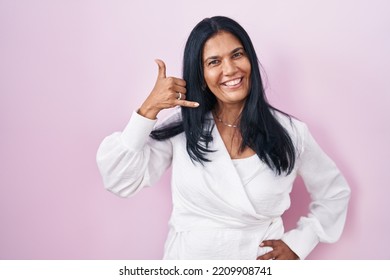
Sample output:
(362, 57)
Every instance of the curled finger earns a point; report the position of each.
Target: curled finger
(268, 256)
(179, 96)
(178, 81)
(179, 89)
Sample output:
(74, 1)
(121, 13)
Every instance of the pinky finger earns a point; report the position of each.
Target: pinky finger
(185, 103)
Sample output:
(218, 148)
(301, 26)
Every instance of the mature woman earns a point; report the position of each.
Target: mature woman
(234, 157)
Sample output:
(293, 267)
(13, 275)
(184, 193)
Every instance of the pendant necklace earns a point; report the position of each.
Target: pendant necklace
(226, 124)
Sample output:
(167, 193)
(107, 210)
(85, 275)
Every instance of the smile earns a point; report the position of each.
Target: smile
(232, 83)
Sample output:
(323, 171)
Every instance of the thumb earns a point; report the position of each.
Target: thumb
(161, 69)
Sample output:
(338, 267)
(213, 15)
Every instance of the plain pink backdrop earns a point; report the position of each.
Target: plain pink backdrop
(71, 72)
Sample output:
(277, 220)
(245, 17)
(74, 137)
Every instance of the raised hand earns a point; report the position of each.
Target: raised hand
(168, 92)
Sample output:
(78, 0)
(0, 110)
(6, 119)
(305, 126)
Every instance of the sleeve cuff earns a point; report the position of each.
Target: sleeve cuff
(137, 131)
(301, 240)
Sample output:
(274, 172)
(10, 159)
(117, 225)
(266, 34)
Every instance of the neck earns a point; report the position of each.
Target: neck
(228, 114)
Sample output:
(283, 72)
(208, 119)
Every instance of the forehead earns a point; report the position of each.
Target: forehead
(220, 44)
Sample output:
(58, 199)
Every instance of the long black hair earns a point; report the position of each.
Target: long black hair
(260, 130)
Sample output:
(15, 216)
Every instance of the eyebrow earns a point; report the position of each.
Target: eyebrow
(232, 52)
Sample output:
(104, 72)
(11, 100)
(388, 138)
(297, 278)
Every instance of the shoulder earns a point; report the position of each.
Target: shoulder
(292, 124)
(296, 128)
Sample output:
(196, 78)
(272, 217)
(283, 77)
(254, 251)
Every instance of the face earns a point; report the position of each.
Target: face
(226, 69)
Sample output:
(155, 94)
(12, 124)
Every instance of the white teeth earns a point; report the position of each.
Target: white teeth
(233, 82)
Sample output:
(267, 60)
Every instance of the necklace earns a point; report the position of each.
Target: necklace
(226, 124)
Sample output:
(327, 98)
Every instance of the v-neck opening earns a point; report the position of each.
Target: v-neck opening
(211, 117)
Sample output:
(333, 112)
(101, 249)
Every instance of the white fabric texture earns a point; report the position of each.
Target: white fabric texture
(226, 208)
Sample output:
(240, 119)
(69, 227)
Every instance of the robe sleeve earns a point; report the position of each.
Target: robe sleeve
(329, 194)
(130, 160)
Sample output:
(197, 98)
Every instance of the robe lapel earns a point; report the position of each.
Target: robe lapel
(227, 183)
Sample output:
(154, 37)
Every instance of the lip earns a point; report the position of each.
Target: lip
(234, 83)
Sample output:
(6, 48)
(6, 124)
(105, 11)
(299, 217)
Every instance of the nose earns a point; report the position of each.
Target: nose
(229, 67)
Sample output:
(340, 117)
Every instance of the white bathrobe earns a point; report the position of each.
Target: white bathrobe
(226, 208)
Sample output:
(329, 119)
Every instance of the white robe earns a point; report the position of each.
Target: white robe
(214, 215)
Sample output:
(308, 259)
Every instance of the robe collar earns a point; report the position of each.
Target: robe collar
(230, 187)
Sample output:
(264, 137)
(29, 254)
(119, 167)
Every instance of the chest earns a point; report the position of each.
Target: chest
(232, 141)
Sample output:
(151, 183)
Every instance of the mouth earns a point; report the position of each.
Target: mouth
(233, 83)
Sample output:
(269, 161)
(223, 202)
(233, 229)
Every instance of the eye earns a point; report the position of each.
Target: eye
(213, 62)
(238, 54)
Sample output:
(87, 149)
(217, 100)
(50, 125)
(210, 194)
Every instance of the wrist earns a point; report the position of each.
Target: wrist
(148, 112)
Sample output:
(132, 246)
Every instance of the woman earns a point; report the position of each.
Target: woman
(234, 157)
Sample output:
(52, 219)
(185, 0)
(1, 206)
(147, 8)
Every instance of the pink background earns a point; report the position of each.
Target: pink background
(71, 72)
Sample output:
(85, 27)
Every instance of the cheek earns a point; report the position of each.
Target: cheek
(211, 78)
(249, 71)
(248, 67)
